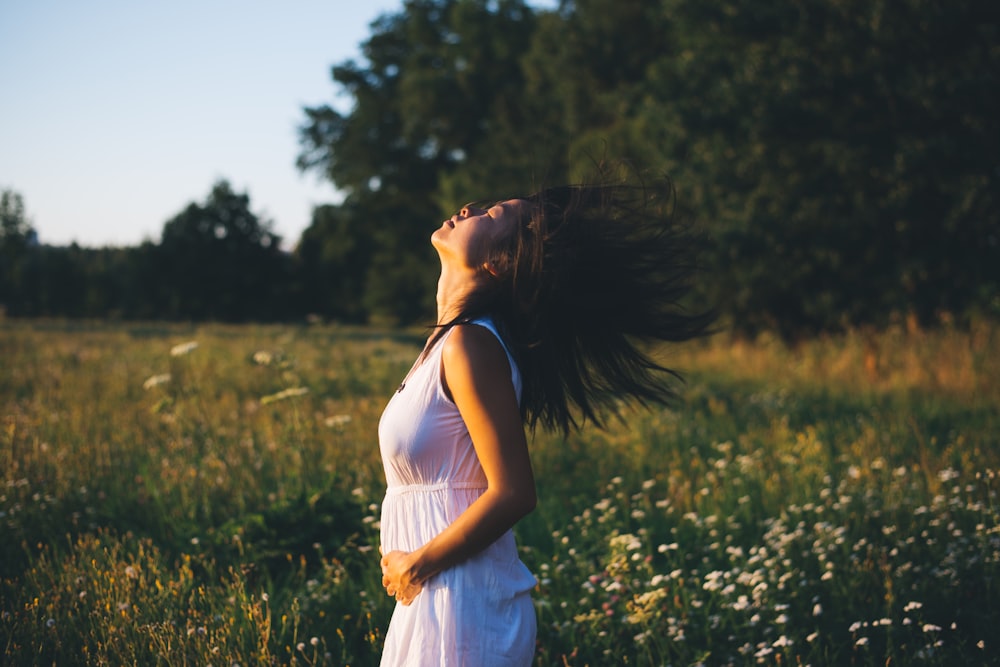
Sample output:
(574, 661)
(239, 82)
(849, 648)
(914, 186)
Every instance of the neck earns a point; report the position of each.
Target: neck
(453, 290)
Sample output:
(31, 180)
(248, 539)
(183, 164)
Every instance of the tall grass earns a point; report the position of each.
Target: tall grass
(216, 502)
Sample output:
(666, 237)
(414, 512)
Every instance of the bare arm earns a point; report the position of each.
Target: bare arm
(477, 374)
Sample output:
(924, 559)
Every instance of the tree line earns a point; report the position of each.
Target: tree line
(215, 260)
(838, 157)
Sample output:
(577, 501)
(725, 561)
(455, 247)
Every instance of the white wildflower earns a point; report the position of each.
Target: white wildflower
(184, 348)
(337, 420)
(948, 474)
(283, 394)
(155, 381)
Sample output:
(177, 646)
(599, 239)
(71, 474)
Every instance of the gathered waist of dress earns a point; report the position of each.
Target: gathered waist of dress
(400, 489)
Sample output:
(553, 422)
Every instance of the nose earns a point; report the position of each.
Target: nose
(469, 211)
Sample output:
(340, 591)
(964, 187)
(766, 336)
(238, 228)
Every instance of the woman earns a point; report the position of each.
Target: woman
(542, 304)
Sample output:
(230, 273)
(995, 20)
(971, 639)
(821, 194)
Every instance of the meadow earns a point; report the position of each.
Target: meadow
(193, 495)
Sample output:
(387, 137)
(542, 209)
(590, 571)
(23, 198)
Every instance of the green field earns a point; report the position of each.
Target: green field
(833, 503)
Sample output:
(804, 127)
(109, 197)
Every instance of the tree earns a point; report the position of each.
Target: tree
(842, 152)
(333, 260)
(440, 92)
(15, 228)
(17, 239)
(218, 260)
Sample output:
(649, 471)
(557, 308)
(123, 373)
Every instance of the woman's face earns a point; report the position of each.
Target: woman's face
(467, 237)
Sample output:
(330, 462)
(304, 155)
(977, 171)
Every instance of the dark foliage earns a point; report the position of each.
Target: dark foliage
(840, 156)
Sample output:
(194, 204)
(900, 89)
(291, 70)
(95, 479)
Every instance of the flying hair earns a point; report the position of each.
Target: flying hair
(592, 279)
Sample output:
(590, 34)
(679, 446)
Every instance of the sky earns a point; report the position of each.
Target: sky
(116, 114)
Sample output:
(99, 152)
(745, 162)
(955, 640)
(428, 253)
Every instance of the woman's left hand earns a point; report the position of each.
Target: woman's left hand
(397, 577)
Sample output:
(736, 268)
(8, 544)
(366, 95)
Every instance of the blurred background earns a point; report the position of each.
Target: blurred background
(244, 163)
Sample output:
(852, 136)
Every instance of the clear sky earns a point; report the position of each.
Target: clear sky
(115, 114)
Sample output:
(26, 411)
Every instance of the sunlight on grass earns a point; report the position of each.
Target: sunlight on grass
(211, 495)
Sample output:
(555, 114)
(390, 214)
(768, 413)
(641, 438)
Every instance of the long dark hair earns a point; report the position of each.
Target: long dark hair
(593, 276)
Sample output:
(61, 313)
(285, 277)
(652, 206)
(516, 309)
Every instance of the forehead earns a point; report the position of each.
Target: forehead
(513, 208)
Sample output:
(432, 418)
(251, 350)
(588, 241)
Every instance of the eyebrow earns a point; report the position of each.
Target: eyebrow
(487, 205)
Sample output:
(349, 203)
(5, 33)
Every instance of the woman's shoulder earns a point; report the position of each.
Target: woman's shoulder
(471, 354)
(475, 339)
(477, 347)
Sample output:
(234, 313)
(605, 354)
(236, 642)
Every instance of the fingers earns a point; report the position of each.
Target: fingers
(404, 593)
(404, 597)
(409, 593)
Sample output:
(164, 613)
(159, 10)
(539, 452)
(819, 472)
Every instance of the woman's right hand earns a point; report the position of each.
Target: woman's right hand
(397, 578)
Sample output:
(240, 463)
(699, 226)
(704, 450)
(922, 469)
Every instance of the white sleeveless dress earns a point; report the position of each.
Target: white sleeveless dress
(478, 613)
